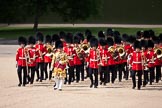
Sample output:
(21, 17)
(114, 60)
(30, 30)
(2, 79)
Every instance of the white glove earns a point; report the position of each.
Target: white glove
(60, 62)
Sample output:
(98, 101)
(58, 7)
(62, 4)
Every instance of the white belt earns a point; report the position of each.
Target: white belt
(93, 59)
(22, 58)
(137, 62)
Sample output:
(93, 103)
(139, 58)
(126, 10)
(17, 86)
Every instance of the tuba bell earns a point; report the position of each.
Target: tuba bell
(158, 52)
(121, 51)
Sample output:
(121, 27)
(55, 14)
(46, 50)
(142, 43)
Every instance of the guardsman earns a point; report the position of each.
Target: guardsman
(21, 59)
(136, 62)
(32, 57)
(93, 60)
(69, 50)
(111, 61)
(144, 61)
(158, 52)
(41, 50)
(151, 57)
(58, 65)
(48, 57)
(105, 55)
(78, 57)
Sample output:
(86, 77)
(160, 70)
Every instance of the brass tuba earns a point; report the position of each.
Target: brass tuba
(158, 52)
(121, 51)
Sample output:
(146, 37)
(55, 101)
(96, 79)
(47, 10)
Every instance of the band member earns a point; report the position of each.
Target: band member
(78, 57)
(144, 61)
(111, 60)
(158, 52)
(93, 60)
(104, 54)
(21, 59)
(59, 62)
(151, 57)
(40, 49)
(69, 50)
(136, 62)
(48, 57)
(32, 56)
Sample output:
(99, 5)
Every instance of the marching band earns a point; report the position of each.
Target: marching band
(67, 58)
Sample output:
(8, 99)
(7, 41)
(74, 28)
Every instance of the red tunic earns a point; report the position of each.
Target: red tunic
(93, 59)
(136, 60)
(40, 48)
(32, 54)
(20, 57)
(105, 55)
(151, 57)
(70, 53)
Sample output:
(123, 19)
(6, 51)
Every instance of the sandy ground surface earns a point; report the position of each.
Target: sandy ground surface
(76, 95)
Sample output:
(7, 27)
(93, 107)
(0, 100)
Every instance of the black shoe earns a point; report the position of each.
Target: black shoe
(77, 81)
(37, 80)
(150, 83)
(40, 80)
(95, 86)
(91, 85)
(55, 88)
(24, 85)
(100, 83)
(139, 88)
(144, 85)
(65, 82)
(104, 84)
(60, 89)
(133, 87)
(19, 85)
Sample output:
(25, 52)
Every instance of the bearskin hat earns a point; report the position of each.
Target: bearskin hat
(88, 32)
(156, 40)
(94, 42)
(55, 37)
(110, 41)
(116, 33)
(62, 35)
(80, 35)
(146, 34)
(144, 43)
(59, 44)
(150, 44)
(117, 40)
(22, 40)
(160, 37)
(76, 40)
(125, 37)
(103, 42)
(39, 36)
(48, 39)
(109, 32)
(137, 44)
(31, 40)
(151, 33)
(101, 34)
(131, 39)
(69, 38)
(89, 38)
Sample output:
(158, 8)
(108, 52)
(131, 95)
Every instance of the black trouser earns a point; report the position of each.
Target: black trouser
(104, 74)
(120, 69)
(158, 73)
(146, 79)
(82, 71)
(71, 73)
(41, 66)
(111, 69)
(125, 70)
(95, 72)
(139, 74)
(19, 72)
(47, 65)
(78, 71)
(32, 72)
(152, 74)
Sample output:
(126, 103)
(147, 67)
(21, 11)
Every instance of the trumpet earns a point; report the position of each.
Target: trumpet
(158, 52)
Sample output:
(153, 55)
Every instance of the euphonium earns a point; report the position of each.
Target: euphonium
(158, 52)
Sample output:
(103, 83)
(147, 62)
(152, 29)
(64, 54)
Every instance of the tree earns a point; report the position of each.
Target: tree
(73, 10)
